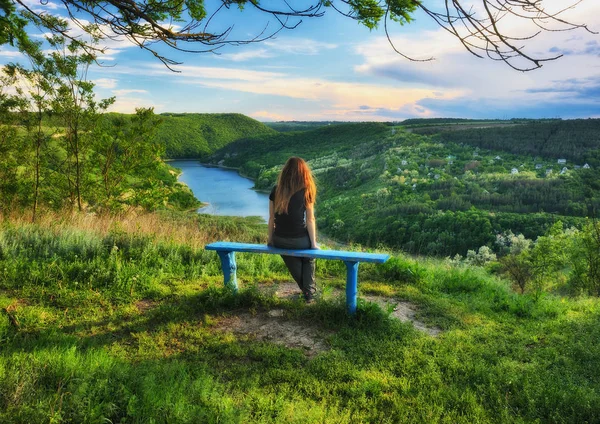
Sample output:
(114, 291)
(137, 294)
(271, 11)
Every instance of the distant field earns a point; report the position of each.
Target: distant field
(287, 126)
(439, 125)
(427, 129)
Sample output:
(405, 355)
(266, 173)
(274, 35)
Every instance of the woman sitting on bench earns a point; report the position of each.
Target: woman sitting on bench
(292, 221)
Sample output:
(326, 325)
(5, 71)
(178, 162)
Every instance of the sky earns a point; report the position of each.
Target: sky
(332, 68)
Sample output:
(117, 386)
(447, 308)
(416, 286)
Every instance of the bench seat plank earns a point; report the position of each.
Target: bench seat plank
(304, 253)
(226, 251)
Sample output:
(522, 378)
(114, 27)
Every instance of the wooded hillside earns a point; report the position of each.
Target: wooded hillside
(193, 135)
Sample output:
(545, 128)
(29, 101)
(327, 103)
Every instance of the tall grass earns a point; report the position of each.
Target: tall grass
(192, 230)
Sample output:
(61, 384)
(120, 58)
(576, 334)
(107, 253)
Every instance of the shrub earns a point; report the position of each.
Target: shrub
(398, 270)
(482, 257)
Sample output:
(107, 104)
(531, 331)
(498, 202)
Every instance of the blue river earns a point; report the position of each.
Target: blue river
(225, 191)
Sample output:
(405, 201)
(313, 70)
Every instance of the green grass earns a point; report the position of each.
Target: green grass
(140, 340)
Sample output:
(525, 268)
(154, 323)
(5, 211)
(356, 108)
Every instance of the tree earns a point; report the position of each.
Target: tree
(519, 268)
(10, 152)
(183, 24)
(547, 257)
(74, 103)
(123, 147)
(584, 259)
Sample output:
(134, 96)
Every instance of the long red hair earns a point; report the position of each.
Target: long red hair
(294, 176)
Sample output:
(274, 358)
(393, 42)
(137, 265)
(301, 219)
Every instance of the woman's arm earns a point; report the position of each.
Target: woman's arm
(271, 223)
(311, 226)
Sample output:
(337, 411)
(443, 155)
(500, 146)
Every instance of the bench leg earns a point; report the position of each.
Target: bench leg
(351, 286)
(229, 267)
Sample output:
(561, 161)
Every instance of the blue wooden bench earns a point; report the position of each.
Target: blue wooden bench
(226, 251)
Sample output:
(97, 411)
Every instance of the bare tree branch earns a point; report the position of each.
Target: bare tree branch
(475, 23)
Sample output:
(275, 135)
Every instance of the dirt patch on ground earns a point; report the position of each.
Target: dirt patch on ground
(404, 311)
(144, 305)
(273, 327)
(282, 290)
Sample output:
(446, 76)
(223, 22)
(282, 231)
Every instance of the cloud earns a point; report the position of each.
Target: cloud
(10, 53)
(589, 48)
(312, 92)
(434, 77)
(587, 88)
(246, 55)
(301, 46)
(129, 104)
(384, 86)
(366, 113)
(567, 87)
(40, 6)
(264, 115)
(105, 82)
(490, 108)
(340, 94)
(125, 92)
(198, 74)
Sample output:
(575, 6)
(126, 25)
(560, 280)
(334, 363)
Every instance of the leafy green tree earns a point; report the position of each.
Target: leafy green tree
(519, 268)
(29, 102)
(584, 259)
(547, 257)
(34, 87)
(75, 104)
(125, 147)
(10, 153)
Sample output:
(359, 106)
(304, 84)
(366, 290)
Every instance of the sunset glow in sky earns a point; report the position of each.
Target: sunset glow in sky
(332, 68)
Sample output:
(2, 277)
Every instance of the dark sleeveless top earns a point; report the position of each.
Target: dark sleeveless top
(293, 223)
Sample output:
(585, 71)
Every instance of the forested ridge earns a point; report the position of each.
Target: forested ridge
(380, 183)
(193, 135)
(568, 139)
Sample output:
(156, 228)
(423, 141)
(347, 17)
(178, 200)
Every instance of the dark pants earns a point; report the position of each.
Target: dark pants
(302, 269)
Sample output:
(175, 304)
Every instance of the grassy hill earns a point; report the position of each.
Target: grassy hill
(193, 135)
(106, 319)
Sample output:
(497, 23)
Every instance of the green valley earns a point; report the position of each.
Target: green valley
(441, 194)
